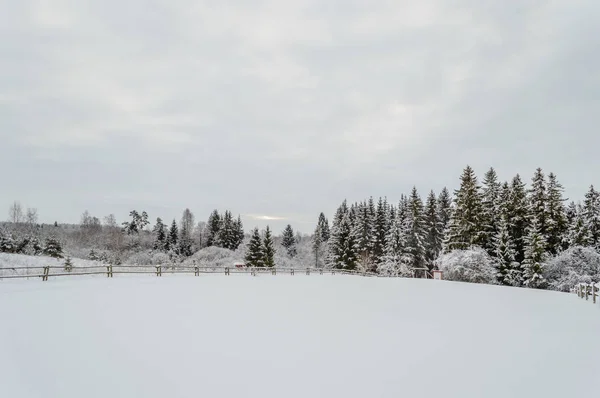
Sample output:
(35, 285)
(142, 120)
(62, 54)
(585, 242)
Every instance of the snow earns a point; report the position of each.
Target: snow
(292, 336)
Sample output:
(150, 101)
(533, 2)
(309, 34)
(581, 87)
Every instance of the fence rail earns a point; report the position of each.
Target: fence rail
(587, 290)
(46, 272)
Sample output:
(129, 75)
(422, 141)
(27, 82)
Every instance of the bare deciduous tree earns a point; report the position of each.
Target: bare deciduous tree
(15, 213)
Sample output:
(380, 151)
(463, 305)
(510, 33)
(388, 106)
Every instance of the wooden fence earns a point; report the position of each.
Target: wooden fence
(587, 290)
(110, 270)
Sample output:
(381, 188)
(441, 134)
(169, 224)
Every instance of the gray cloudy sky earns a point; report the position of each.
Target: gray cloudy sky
(284, 108)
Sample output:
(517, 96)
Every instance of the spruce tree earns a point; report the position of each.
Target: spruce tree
(556, 222)
(538, 201)
(466, 223)
(380, 230)
(173, 236)
(269, 249)
(213, 227)
(518, 216)
(444, 209)
(579, 233)
(160, 235)
(416, 230)
(53, 248)
(239, 235)
(323, 225)
(433, 231)
(68, 265)
(341, 246)
(288, 241)
(255, 254)
(509, 271)
(490, 206)
(591, 214)
(363, 229)
(535, 256)
(228, 234)
(317, 246)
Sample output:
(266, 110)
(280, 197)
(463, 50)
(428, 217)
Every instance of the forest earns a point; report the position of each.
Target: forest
(492, 231)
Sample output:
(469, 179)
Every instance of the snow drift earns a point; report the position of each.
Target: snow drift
(292, 336)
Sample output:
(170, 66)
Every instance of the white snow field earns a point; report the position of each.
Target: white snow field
(292, 336)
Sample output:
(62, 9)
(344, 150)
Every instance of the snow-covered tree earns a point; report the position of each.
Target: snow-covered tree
(509, 271)
(228, 234)
(433, 230)
(474, 265)
(535, 256)
(380, 230)
(444, 209)
(323, 226)
(538, 201)
(268, 249)
(466, 223)
(173, 237)
(53, 248)
(518, 216)
(591, 214)
(213, 226)
(579, 233)
(239, 228)
(490, 195)
(160, 235)
(556, 222)
(574, 266)
(363, 230)
(255, 254)
(68, 265)
(397, 260)
(137, 224)
(288, 241)
(415, 242)
(342, 242)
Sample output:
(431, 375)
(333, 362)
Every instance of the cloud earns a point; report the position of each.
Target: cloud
(298, 104)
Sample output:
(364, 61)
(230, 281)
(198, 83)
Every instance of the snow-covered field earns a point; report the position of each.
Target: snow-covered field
(293, 336)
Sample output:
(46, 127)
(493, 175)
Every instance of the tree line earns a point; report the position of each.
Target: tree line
(520, 227)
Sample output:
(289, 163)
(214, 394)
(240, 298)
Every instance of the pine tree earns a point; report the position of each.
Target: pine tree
(68, 265)
(490, 206)
(397, 256)
(579, 233)
(444, 209)
(173, 236)
(538, 201)
(160, 233)
(341, 246)
(239, 228)
(433, 231)
(317, 245)
(288, 241)
(535, 256)
(269, 249)
(509, 271)
(213, 227)
(323, 225)
(591, 214)
(518, 215)
(255, 254)
(380, 230)
(466, 223)
(228, 235)
(416, 230)
(363, 230)
(53, 248)
(557, 224)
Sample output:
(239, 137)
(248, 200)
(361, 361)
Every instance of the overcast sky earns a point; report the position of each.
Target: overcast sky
(284, 108)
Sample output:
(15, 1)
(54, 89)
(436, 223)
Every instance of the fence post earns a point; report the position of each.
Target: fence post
(253, 271)
(196, 271)
(320, 271)
(46, 272)
(587, 292)
(308, 271)
(226, 270)
(292, 272)
(274, 271)
(594, 288)
(108, 271)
